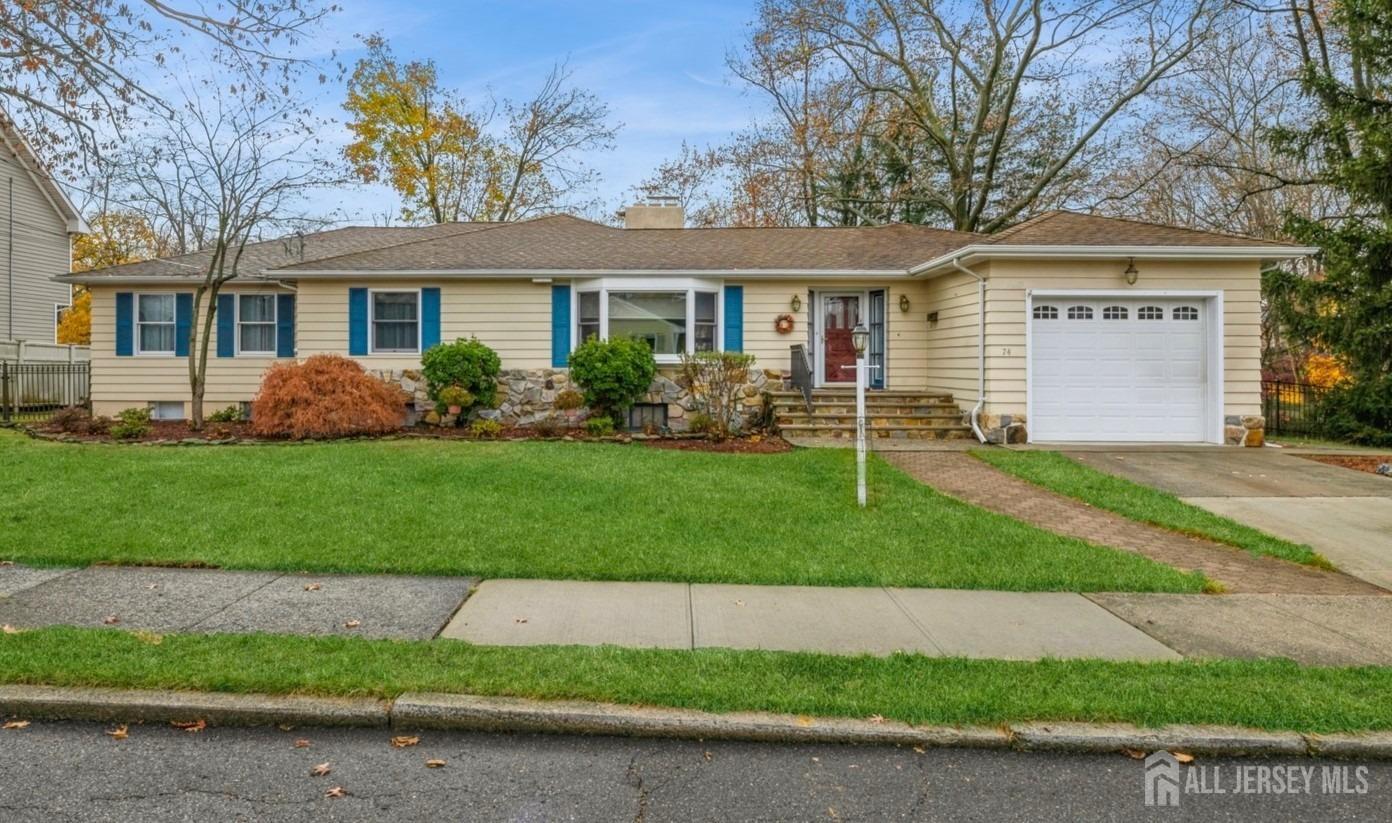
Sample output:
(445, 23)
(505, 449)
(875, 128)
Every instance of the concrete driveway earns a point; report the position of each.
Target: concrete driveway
(1343, 514)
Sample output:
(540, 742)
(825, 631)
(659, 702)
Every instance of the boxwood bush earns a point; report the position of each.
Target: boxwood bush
(468, 364)
(613, 373)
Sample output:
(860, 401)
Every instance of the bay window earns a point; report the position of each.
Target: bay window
(671, 316)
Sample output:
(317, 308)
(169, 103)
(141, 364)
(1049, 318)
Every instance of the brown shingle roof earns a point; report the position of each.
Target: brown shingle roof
(1066, 228)
(270, 254)
(565, 243)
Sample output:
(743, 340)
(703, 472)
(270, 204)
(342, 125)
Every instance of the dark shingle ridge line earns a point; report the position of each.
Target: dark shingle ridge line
(1045, 216)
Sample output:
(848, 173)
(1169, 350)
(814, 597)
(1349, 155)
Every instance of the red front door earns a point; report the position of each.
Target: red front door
(840, 314)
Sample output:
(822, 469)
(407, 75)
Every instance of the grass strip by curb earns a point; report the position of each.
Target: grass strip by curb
(1274, 695)
(1059, 473)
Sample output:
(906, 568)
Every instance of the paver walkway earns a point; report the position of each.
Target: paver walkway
(969, 479)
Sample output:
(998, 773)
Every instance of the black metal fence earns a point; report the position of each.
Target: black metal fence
(1291, 408)
(32, 392)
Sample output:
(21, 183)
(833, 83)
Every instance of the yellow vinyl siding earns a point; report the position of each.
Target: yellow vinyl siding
(1239, 281)
(951, 345)
(127, 382)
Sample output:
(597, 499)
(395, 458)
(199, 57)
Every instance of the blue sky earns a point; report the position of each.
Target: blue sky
(659, 66)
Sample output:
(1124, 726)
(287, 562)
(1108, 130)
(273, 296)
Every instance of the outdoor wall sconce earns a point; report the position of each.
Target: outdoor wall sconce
(904, 303)
(1131, 274)
(796, 304)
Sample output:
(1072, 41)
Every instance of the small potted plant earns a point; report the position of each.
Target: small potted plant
(456, 398)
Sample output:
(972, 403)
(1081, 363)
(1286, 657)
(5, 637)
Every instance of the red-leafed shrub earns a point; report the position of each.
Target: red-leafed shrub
(325, 396)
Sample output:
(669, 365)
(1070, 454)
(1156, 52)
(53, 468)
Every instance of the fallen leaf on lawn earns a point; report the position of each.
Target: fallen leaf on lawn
(336, 791)
(312, 587)
(709, 756)
(320, 770)
(877, 719)
(1134, 754)
(194, 726)
(118, 733)
(920, 750)
(352, 624)
(302, 744)
(285, 727)
(111, 620)
(8, 629)
(15, 724)
(404, 741)
(434, 764)
(1183, 757)
(149, 637)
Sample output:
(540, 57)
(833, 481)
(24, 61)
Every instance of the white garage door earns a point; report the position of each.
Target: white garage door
(1114, 369)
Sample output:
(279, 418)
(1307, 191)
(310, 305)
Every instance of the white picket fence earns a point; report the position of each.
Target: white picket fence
(28, 351)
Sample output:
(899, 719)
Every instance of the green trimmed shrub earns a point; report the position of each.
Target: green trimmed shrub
(485, 429)
(131, 424)
(456, 396)
(599, 426)
(231, 414)
(568, 399)
(467, 364)
(614, 374)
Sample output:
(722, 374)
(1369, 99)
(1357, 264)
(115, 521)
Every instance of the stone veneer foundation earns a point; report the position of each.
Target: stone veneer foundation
(526, 396)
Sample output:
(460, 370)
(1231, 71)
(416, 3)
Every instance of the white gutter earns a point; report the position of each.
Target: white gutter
(1074, 252)
(980, 348)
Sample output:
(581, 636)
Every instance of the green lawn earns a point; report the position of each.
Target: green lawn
(541, 510)
(1271, 694)
(1058, 473)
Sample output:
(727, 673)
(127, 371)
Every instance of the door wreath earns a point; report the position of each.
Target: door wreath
(783, 324)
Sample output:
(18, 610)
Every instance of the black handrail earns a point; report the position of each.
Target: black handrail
(802, 373)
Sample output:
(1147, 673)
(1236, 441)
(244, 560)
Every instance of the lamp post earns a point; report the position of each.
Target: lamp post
(860, 338)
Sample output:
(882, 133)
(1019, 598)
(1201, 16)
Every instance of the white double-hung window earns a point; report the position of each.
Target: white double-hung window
(154, 321)
(395, 321)
(256, 323)
(671, 316)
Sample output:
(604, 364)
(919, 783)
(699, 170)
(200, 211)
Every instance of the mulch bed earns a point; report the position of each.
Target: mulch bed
(1359, 462)
(178, 431)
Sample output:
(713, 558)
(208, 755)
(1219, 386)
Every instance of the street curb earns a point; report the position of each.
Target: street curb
(111, 705)
(415, 710)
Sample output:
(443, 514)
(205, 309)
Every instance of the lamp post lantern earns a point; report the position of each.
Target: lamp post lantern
(860, 338)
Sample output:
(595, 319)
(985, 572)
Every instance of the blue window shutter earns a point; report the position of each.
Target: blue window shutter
(734, 318)
(285, 325)
(430, 318)
(560, 326)
(183, 321)
(125, 324)
(226, 325)
(357, 322)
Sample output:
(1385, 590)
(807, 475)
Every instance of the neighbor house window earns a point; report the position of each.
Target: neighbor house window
(154, 320)
(256, 323)
(1046, 312)
(395, 321)
(675, 318)
(1079, 312)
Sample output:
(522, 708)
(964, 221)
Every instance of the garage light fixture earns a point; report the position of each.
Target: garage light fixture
(796, 304)
(1131, 274)
(904, 303)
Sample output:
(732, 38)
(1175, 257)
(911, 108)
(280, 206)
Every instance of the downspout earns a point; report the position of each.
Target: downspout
(980, 348)
(9, 251)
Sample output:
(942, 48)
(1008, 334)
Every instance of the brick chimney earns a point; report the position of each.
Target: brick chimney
(659, 212)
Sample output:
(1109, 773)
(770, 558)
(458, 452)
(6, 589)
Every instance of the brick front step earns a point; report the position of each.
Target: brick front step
(914, 398)
(950, 419)
(847, 432)
(880, 409)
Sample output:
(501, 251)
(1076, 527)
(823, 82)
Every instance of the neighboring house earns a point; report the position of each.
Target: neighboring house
(1068, 326)
(37, 222)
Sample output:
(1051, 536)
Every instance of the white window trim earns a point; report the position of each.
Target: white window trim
(237, 325)
(135, 324)
(1217, 377)
(372, 349)
(58, 318)
(688, 285)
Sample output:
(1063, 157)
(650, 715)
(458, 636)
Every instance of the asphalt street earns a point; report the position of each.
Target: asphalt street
(77, 771)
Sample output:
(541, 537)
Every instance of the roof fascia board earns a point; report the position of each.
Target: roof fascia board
(52, 192)
(984, 252)
(584, 273)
